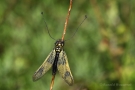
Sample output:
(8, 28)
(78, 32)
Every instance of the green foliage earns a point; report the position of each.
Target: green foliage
(101, 55)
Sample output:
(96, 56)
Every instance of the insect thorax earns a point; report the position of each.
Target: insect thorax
(59, 45)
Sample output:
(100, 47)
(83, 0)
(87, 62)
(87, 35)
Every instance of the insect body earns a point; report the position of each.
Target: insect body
(57, 59)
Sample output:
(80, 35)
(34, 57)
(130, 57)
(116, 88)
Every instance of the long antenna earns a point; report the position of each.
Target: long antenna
(78, 27)
(47, 26)
(66, 22)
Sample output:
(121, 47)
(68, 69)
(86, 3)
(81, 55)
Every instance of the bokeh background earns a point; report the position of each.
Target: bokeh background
(101, 55)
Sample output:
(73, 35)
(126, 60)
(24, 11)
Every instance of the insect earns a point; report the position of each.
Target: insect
(57, 59)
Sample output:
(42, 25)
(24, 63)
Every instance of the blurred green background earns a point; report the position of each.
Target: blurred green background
(101, 55)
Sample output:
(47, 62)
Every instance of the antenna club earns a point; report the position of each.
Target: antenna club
(42, 13)
(85, 16)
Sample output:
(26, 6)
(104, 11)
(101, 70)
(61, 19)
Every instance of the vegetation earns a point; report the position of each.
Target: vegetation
(101, 55)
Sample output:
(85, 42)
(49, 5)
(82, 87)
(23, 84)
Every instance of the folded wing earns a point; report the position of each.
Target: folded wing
(47, 64)
(64, 68)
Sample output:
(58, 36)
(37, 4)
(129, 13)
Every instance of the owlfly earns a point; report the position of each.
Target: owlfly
(57, 59)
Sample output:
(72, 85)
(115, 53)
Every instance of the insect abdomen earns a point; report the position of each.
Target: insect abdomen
(54, 67)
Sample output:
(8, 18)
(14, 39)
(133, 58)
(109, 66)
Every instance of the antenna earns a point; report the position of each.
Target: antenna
(77, 28)
(47, 26)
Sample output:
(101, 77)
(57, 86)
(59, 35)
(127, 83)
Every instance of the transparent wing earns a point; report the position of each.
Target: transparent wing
(64, 68)
(47, 64)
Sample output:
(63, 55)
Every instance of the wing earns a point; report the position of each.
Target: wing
(47, 64)
(64, 68)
